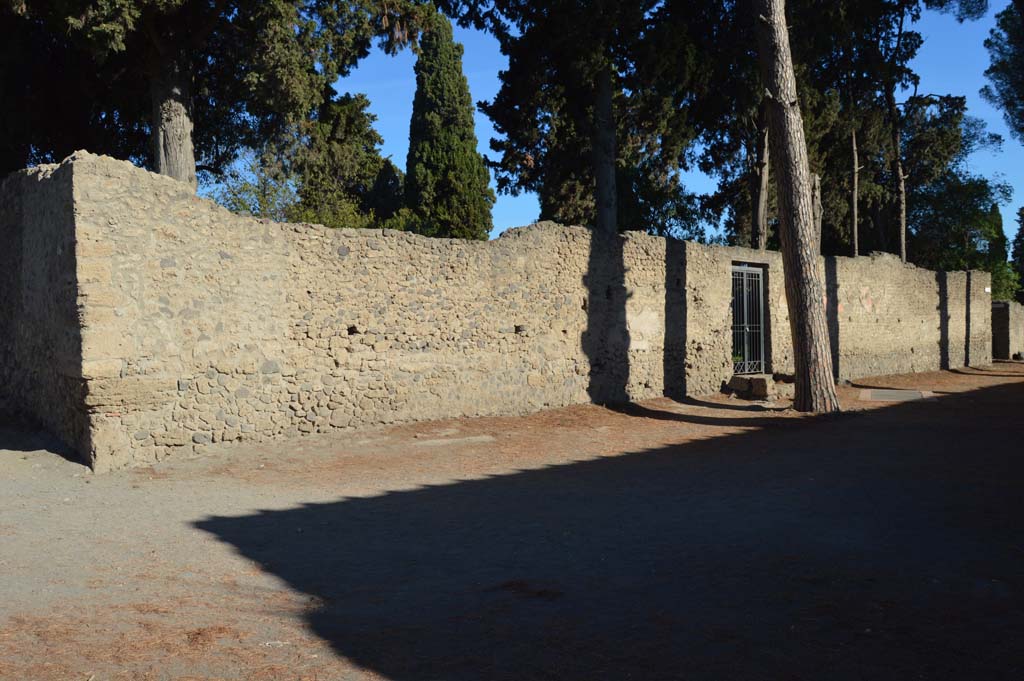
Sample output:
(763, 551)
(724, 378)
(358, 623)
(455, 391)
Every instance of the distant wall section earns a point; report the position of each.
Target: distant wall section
(1007, 329)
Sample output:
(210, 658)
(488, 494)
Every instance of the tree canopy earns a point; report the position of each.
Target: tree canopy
(602, 109)
(1006, 68)
(170, 80)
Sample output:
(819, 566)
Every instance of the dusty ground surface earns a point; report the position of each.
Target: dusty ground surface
(713, 539)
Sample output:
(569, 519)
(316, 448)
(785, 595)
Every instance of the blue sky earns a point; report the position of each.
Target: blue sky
(952, 61)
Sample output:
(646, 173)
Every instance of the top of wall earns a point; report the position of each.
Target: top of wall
(88, 166)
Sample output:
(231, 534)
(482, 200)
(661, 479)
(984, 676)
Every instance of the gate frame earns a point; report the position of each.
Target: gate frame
(761, 270)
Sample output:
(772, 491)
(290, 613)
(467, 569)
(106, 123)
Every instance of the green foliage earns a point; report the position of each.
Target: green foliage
(343, 180)
(954, 217)
(544, 111)
(255, 68)
(1006, 283)
(447, 181)
(849, 55)
(327, 170)
(1017, 255)
(958, 224)
(1006, 68)
(259, 185)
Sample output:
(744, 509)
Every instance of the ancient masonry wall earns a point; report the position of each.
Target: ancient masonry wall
(1007, 329)
(884, 316)
(139, 321)
(40, 335)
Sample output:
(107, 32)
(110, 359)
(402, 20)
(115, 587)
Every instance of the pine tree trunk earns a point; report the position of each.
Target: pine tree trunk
(805, 289)
(853, 197)
(761, 202)
(897, 171)
(605, 197)
(171, 93)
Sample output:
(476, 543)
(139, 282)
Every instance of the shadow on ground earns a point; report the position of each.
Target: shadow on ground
(883, 545)
(18, 435)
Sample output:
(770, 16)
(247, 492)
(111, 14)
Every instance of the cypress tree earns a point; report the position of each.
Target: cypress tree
(1017, 254)
(446, 186)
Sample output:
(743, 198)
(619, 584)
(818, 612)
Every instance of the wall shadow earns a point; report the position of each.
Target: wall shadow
(21, 434)
(832, 312)
(871, 546)
(1000, 331)
(674, 357)
(942, 279)
(606, 338)
(967, 318)
(41, 382)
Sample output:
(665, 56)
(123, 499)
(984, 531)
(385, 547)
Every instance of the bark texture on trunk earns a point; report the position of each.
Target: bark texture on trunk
(171, 92)
(853, 197)
(897, 171)
(805, 288)
(605, 198)
(761, 201)
(816, 204)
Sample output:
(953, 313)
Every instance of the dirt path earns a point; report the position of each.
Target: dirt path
(715, 539)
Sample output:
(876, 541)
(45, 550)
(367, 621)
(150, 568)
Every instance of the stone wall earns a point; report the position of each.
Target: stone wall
(1007, 329)
(896, 318)
(884, 316)
(175, 324)
(40, 343)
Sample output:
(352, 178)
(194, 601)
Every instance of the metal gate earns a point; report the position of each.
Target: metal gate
(747, 320)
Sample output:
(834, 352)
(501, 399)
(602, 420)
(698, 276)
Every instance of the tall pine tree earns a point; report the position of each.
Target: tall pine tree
(1006, 67)
(1017, 254)
(446, 185)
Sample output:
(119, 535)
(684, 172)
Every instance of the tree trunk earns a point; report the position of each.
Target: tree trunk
(881, 223)
(605, 198)
(805, 289)
(761, 201)
(171, 91)
(897, 171)
(853, 197)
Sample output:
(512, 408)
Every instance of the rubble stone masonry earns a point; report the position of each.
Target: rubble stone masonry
(138, 321)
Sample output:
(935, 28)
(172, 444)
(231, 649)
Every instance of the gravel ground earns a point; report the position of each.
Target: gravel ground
(712, 539)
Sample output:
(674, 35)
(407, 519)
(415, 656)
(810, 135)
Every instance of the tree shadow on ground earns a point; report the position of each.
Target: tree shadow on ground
(882, 545)
(755, 407)
(647, 412)
(974, 371)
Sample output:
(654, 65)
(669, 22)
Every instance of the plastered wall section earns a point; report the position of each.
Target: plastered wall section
(897, 318)
(40, 344)
(708, 309)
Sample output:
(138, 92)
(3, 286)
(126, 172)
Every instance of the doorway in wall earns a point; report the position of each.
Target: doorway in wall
(748, 319)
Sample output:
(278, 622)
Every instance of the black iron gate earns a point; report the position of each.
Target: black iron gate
(747, 320)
